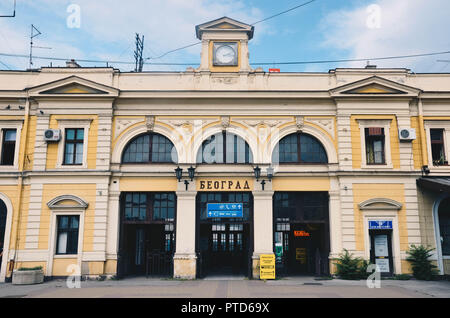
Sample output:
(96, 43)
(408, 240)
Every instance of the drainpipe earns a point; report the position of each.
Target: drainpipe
(423, 140)
(23, 144)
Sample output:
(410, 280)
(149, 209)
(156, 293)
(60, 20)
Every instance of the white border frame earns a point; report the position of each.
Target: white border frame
(53, 232)
(64, 124)
(11, 124)
(386, 215)
(383, 123)
(438, 124)
(6, 250)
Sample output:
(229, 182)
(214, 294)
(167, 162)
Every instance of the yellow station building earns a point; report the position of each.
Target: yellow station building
(195, 173)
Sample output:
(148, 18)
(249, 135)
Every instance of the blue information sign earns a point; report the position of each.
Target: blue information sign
(225, 210)
(380, 225)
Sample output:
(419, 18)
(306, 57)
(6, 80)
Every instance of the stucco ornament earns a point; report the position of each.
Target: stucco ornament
(300, 122)
(326, 124)
(123, 123)
(225, 122)
(150, 123)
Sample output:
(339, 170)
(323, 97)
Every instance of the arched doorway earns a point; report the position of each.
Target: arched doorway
(3, 214)
(442, 221)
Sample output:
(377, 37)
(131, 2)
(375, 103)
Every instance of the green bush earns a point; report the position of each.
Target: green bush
(421, 265)
(349, 267)
(402, 277)
(21, 269)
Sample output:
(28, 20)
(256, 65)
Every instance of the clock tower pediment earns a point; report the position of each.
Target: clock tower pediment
(224, 45)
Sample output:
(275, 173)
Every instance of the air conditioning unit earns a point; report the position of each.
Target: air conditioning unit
(407, 134)
(52, 135)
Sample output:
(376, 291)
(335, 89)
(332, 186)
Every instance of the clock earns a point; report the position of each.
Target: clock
(225, 54)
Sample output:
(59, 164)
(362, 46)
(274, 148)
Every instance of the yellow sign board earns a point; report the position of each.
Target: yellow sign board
(267, 266)
(300, 255)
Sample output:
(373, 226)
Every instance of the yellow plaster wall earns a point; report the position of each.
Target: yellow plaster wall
(60, 266)
(111, 266)
(24, 204)
(96, 268)
(30, 144)
(416, 144)
(363, 192)
(148, 184)
(356, 139)
(86, 192)
(301, 184)
(52, 148)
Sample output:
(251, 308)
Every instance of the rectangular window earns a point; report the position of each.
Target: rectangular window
(375, 153)
(437, 147)
(73, 149)
(67, 235)
(8, 147)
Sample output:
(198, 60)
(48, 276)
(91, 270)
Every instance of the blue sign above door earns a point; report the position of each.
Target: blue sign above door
(225, 210)
(380, 225)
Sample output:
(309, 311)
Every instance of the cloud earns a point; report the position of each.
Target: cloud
(406, 27)
(108, 27)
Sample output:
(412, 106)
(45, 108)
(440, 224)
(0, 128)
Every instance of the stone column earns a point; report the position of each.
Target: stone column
(335, 217)
(262, 224)
(185, 259)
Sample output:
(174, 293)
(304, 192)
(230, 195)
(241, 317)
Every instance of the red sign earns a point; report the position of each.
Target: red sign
(301, 233)
(274, 70)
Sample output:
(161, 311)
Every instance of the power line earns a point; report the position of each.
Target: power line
(5, 65)
(354, 60)
(268, 18)
(255, 63)
(286, 11)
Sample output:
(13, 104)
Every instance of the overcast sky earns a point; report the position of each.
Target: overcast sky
(322, 30)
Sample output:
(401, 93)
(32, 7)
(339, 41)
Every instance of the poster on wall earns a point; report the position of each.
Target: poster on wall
(383, 264)
(381, 246)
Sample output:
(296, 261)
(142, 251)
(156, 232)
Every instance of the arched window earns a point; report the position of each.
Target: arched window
(299, 148)
(224, 148)
(150, 147)
(444, 226)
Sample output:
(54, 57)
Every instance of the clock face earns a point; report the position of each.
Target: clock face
(225, 54)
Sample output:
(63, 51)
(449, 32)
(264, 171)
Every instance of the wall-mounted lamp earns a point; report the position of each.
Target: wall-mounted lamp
(425, 170)
(179, 174)
(257, 171)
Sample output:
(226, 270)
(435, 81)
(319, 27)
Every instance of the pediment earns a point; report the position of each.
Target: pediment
(374, 85)
(380, 204)
(67, 202)
(73, 86)
(222, 24)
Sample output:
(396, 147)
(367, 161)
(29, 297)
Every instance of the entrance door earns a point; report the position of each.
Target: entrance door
(147, 234)
(228, 248)
(381, 250)
(224, 244)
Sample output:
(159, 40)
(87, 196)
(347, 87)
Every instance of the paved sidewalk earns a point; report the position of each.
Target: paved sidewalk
(298, 287)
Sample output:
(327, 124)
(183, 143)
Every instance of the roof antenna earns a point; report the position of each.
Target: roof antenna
(32, 36)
